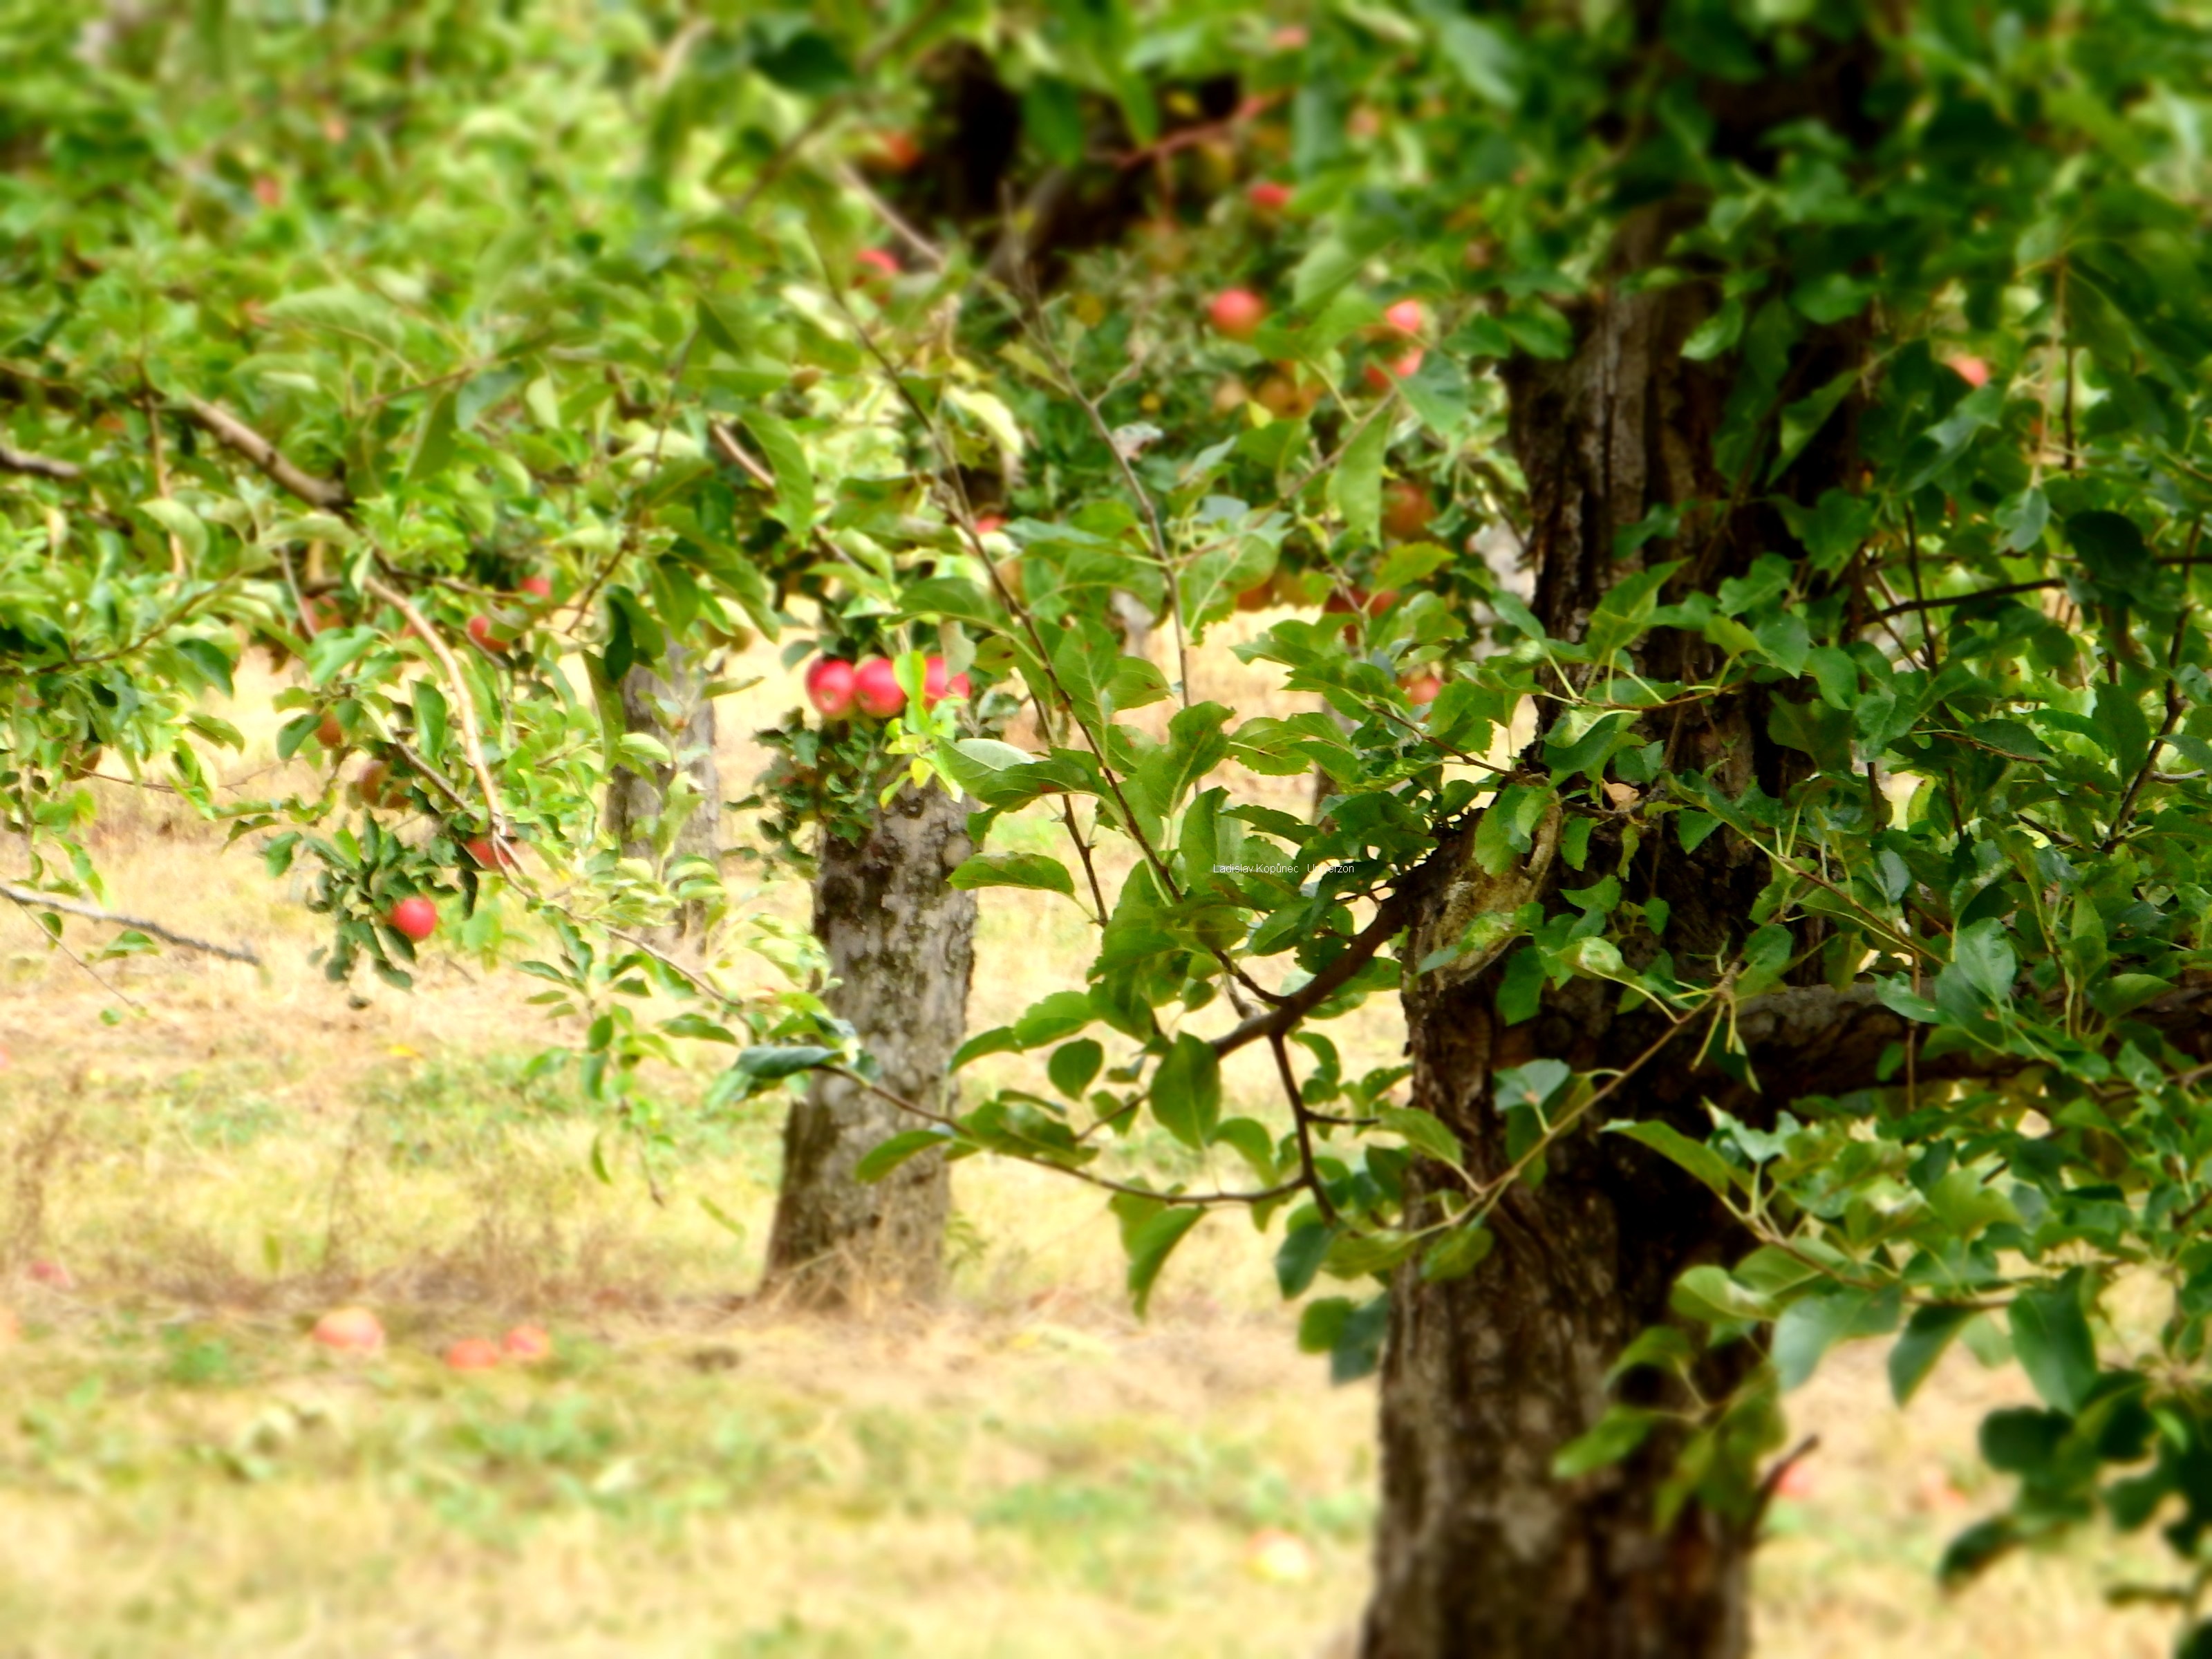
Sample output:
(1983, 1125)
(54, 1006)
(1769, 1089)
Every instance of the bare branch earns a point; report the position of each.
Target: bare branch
(26, 895)
(38, 466)
(228, 428)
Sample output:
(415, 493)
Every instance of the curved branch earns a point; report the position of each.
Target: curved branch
(26, 895)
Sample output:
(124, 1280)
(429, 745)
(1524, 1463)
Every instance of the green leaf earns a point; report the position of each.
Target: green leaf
(795, 474)
(887, 1155)
(1927, 1333)
(768, 1062)
(429, 721)
(1357, 485)
(180, 521)
(1298, 1258)
(1030, 870)
(1073, 1065)
(1607, 1441)
(1810, 1325)
(1186, 1091)
(1424, 1131)
(1694, 1156)
(2050, 1335)
(434, 440)
(1150, 1243)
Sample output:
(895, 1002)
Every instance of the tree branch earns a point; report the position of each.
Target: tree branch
(464, 705)
(38, 466)
(228, 428)
(1288, 1011)
(27, 895)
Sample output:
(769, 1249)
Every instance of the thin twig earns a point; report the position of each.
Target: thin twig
(30, 896)
(1311, 1176)
(464, 701)
(1187, 1200)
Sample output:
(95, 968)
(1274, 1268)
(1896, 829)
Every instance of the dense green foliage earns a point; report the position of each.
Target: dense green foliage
(571, 290)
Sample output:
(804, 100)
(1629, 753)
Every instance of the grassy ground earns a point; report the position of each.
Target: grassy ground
(1025, 1472)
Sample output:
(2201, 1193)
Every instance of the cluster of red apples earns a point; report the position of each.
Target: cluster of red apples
(839, 689)
(1238, 313)
(358, 1331)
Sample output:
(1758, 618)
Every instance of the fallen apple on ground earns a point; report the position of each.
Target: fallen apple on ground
(349, 1330)
(526, 1344)
(473, 1353)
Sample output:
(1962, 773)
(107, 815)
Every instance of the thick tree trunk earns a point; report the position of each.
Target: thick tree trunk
(902, 944)
(1480, 1550)
(672, 710)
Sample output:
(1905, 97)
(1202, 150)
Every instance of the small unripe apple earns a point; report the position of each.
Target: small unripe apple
(473, 1353)
(1269, 195)
(1976, 374)
(328, 733)
(935, 687)
(349, 1330)
(877, 266)
(536, 586)
(875, 689)
(480, 631)
(416, 917)
(1283, 398)
(490, 854)
(1379, 375)
(528, 1344)
(1237, 313)
(1406, 509)
(829, 688)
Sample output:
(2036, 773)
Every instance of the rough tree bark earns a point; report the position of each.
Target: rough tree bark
(668, 706)
(1479, 1550)
(902, 944)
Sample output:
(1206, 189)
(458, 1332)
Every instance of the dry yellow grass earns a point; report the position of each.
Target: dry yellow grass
(1025, 1472)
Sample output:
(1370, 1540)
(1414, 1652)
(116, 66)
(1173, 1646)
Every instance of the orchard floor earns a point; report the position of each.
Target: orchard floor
(214, 1154)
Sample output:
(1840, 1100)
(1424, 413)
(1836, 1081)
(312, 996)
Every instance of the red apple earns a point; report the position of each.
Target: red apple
(1291, 37)
(416, 917)
(53, 1275)
(990, 524)
(1972, 370)
(1406, 509)
(328, 733)
(480, 631)
(527, 1343)
(895, 152)
(1280, 1556)
(538, 587)
(349, 1330)
(1268, 196)
(935, 687)
(1379, 375)
(473, 1353)
(829, 688)
(1421, 689)
(376, 786)
(489, 854)
(269, 192)
(875, 690)
(1237, 313)
(875, 265)
(1257, 599)
(1797, 1481)
(1407, 319)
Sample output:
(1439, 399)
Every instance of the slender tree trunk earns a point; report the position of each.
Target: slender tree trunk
(1479, 1551)
(901, 945)
(670, 707)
